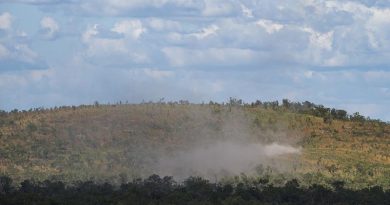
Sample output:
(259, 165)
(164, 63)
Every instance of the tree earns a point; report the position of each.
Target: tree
(339, 114)
(5, 185)
(357, 117)
(96, 103)
(286, 103)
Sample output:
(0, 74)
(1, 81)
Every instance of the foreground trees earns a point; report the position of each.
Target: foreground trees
(194, 190)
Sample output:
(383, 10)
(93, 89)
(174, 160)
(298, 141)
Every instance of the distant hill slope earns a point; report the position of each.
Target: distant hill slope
(123, 141)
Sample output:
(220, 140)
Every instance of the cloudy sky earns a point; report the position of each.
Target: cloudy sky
(69, 52)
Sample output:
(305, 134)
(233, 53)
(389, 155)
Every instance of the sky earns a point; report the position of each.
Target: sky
(71, 52)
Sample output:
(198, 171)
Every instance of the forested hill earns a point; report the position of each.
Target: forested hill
(120, 142)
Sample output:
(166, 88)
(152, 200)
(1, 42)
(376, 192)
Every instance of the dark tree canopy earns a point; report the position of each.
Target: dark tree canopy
(194, 190)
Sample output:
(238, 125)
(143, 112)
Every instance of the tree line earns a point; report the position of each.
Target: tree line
(306, 107)
(193, 190)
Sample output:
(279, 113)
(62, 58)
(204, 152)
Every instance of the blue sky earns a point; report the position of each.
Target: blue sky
(70, 52)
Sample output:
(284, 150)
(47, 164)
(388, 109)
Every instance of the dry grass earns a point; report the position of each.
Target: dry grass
(106, 141)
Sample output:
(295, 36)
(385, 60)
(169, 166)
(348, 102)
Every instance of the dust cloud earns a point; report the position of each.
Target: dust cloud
(226, 142)
(222, 158)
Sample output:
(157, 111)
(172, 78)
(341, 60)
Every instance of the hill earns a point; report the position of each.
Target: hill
(219, 141)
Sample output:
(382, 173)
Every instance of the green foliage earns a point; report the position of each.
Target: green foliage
(194, 190)
(31, 127)
(100, 142)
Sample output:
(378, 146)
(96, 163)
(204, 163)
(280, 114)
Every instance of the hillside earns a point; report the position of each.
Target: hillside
(119, 142)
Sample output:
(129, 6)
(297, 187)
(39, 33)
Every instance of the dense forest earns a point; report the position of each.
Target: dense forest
(219, 153)
(194, 190)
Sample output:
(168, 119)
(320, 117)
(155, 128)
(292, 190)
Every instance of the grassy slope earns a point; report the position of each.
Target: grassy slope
(103, 142)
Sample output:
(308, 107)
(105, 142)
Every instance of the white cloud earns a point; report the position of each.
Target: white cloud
(337, 59)
(22, 34)
(113, 51)
(320, 40)
(4, 53)
(25, 53)
(378, 27)
(301, 36)
(132, 28)
(372, 22)
(206, 32)
(135, 7)
(50, 26)
(308, 74)
(246, 11)
(15, 50)
(37, 75)
(348, 6)
(102, 45)
(178, 56)
(5, 21)
(37, 1)
(163, 24)
(90, 32)
(217, 8)
(269, 26)
(377, 76)
(158, 74)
